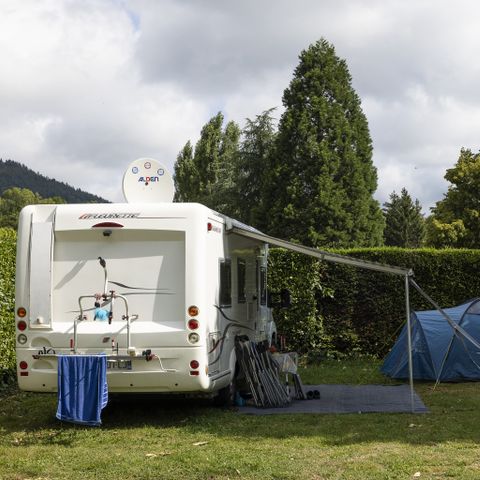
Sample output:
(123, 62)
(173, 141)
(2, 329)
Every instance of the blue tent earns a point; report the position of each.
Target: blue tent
(439, 353)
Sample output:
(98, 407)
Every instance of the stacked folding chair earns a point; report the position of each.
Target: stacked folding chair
(261, 373)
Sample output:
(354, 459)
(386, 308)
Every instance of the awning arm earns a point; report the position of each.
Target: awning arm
(314, 252)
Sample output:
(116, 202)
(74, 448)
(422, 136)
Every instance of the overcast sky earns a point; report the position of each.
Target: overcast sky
(87, 86)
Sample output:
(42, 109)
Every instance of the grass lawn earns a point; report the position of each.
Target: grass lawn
(151, 439)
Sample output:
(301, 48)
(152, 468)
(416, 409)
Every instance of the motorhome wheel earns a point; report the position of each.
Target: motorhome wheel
(225, 397)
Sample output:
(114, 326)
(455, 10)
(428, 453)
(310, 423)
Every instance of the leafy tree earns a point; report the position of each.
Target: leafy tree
(186, 176)
(444, 235)
(322, 176)
(455, 220)
(223, 194)
(207, 157)
(14, 199)
(253, 167)
(206, 176)
(404, 222)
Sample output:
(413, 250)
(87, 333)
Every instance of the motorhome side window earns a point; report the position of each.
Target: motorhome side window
(263, 286)
(225, 283)
(241, 280)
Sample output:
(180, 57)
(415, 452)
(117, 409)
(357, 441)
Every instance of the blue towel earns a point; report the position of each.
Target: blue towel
(82, 388)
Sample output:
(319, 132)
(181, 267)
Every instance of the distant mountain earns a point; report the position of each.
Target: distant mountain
(14, 174)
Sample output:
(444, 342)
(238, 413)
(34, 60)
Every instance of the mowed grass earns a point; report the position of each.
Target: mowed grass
(153, 439)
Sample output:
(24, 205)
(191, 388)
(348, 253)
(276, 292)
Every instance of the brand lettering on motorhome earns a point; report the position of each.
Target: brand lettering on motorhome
(46, 351)
(95, 216)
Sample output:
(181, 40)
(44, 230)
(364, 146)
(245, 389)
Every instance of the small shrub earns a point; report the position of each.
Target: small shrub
(7, 303)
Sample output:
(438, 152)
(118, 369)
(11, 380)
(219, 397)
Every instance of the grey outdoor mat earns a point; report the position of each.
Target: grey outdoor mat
(349, 399)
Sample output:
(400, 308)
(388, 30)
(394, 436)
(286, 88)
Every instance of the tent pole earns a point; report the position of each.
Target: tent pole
(447, 352)
(409, 342)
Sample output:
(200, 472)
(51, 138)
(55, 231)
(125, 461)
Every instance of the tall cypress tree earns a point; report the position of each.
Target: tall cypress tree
(322, 175)
(404, 222)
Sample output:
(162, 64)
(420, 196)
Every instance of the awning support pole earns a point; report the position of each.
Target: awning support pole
(409, 342)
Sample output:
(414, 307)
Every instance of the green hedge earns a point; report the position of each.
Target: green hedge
(367, 309)
(302, 322)
(7, 303)
(336, 309)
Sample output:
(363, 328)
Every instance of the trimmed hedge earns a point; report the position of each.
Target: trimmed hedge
(367, 309)
(7, 303)
(301, 323)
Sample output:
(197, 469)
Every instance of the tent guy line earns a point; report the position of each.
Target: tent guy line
(456, 328)
(458, 331)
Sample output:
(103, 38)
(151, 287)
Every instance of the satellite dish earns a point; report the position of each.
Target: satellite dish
(147, 181)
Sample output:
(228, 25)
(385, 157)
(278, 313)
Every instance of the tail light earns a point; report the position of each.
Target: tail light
(23, 365)
(22, 325)
(21, 312)
(194, 364)
(193, 324)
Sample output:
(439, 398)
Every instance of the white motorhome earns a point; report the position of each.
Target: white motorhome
(161, 288)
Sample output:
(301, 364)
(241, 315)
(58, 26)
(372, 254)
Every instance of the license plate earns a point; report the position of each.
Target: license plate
(119, 365)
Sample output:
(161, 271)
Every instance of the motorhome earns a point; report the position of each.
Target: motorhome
(161, 288)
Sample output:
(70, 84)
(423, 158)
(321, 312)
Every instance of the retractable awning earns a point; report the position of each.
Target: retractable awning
(234, 226)
(238, 228)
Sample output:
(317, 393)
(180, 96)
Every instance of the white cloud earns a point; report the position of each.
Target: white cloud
(73, 106)
(86, 87)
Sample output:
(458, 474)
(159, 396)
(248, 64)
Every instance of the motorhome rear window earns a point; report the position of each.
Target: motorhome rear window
(241, 278)
(226, 283)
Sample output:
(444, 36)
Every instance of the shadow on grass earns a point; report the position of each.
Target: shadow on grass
(454, 417)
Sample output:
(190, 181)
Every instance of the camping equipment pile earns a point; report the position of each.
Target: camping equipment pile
(262, 371)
